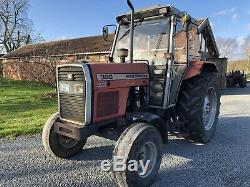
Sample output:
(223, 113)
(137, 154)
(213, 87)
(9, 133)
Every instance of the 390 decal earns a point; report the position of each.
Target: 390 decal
(123, 76)
(105, 77)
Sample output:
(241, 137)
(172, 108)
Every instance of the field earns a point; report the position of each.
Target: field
(24, 107)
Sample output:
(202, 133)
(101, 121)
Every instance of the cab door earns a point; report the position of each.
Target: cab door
(185, 49)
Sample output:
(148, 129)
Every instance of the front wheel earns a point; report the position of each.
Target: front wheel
(58, 145)
(141, 143)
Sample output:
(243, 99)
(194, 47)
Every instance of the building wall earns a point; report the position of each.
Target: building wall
(43, 69)
(22, 69)
(221, 64)
(1, 67)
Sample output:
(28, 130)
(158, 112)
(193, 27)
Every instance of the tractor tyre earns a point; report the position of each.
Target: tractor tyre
(139, 142)
(229, 82)
(58, 145)
(243, 82)
(198, 106)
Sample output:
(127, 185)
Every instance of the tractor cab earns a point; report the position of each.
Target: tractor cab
(151, 46)
(166, 39)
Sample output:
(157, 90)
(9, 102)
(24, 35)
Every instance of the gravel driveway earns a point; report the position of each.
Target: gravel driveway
(225, 161)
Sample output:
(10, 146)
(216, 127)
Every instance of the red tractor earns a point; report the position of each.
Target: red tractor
(236, 77)
(168, 85)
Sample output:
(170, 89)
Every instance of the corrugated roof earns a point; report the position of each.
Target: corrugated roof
(89, 44)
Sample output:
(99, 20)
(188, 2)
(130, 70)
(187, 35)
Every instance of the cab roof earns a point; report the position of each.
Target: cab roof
(203, 25)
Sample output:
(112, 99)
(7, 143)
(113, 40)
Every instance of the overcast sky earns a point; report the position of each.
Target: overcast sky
(61, 19)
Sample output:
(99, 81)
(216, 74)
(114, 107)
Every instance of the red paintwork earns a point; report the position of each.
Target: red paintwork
(120, 85)
(194, 69)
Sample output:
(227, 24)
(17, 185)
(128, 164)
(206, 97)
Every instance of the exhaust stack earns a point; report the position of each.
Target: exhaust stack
(131, 30)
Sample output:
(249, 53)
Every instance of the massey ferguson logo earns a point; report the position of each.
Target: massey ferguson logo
(124, 76)
(70, 77)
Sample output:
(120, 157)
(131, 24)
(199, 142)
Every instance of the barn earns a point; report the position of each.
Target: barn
(38, 61)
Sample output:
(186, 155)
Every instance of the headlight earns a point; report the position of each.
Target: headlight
(63, 87)
(70, 87)
(78, 88)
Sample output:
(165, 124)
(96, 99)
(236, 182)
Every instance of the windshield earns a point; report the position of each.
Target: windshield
(151, 40)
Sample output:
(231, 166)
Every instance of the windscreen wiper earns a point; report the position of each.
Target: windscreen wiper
(128, 31)
(125, 34)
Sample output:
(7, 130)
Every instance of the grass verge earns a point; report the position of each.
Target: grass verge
(24, 107)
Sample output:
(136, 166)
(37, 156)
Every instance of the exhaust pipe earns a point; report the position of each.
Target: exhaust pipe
(131, 30)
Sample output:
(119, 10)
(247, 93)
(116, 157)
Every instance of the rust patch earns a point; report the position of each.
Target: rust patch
(194, 69)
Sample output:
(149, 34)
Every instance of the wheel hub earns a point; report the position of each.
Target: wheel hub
(148, 152)
(67, 142)
(209, 109)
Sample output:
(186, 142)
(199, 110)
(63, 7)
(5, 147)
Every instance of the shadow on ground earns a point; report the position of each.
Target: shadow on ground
(225, 134)
(223, 161)
(95, 153)
(237, 91)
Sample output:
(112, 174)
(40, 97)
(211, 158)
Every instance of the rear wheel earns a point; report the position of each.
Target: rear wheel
(243, 82)
(141, 143)
(58, 145)
(198, 106)
(229, 82)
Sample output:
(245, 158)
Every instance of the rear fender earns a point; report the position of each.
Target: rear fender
(152, 119)
(197, 67)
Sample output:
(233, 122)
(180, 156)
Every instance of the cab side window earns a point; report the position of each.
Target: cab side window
(203, 46)
(193, 43)
(180, 44)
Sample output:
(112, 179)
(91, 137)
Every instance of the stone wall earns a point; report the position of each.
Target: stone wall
(28, 70)
(43, 69)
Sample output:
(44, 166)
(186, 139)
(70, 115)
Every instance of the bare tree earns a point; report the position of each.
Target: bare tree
(246, 48)
(41, 66)
(15, 27)
(228, 47)
(41, 69)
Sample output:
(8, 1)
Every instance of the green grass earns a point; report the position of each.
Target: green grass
(24, 107)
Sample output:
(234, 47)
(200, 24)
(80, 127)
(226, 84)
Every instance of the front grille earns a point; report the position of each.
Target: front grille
(72, 106)
(76, 71)
(107, 103)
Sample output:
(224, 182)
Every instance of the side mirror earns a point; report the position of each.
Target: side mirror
(105, 31)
